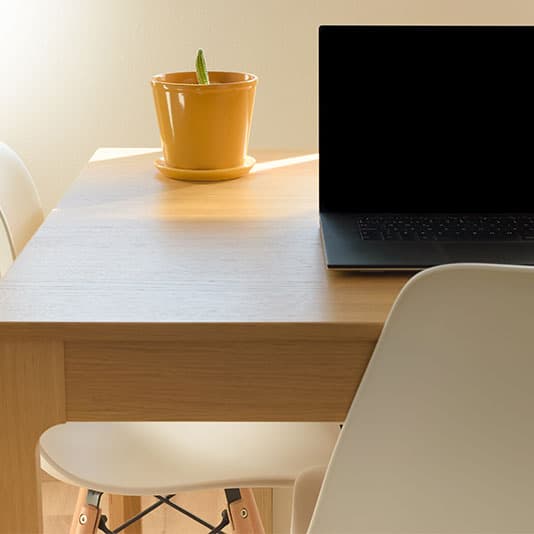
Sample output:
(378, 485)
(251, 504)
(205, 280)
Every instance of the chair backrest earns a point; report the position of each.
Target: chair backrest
(6, 256)
(20, 208)
(440, 435)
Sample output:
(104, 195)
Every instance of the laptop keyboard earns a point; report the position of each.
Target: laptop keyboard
(446, 228)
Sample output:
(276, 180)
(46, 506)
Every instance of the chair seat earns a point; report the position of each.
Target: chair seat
(161, 458)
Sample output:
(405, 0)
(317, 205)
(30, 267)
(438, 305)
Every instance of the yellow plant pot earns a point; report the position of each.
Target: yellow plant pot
(204, 127)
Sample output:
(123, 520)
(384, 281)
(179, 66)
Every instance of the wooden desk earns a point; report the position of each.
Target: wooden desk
(142, 298)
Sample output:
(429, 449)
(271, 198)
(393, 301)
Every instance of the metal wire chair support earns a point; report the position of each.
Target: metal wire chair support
(160, 501)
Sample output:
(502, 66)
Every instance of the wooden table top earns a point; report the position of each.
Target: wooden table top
(127, 245)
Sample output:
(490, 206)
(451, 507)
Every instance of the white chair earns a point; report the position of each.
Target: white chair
(20, 208)
(440, 435)
(158, 458)
(6, 256)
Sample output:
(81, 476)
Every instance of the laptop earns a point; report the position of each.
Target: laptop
(426, 145)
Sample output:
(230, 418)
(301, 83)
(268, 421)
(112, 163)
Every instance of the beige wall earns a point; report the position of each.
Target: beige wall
(74, 73)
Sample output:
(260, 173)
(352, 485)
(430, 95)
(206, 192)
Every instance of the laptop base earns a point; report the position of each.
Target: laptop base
(345, 250)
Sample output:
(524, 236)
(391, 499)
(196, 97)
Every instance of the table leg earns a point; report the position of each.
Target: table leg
(264, 501)
(32, 399)
(122, 508)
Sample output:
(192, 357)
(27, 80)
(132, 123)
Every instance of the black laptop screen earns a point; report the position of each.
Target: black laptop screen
(426, 119)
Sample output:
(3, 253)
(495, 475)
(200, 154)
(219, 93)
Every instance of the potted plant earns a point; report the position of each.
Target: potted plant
(204, 121)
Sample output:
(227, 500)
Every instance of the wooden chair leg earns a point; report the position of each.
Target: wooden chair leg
(122, 508)
(245, 515)
(86, 517)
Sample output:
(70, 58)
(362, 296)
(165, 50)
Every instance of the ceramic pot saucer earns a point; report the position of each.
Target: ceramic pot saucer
(210, 175)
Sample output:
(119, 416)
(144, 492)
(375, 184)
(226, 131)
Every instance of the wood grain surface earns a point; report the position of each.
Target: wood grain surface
(32, 398)
(246, 373)
(127, 245)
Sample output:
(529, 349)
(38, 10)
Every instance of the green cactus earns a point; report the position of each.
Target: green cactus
(202, 70)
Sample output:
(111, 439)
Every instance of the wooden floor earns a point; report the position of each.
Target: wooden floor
(59, 500)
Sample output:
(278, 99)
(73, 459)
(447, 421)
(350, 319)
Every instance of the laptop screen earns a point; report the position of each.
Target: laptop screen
(426, 119)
